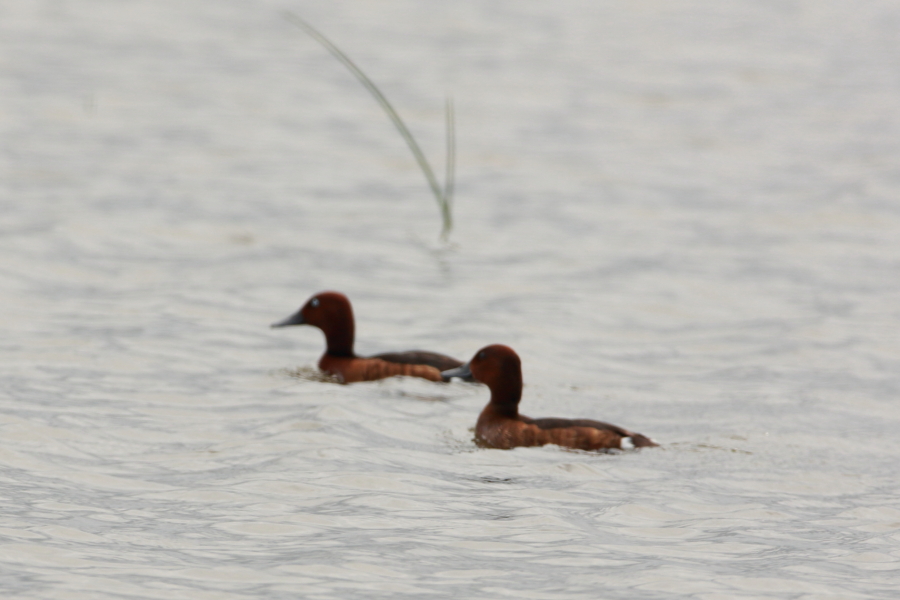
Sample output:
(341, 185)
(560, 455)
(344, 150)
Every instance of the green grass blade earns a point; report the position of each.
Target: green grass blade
(440, 195)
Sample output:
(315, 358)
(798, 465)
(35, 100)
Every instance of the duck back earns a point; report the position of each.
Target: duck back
(440, 362)
(355, 369)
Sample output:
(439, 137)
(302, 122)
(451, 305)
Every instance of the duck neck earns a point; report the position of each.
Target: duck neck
(505, 398)
(339, 346)
(339, 336)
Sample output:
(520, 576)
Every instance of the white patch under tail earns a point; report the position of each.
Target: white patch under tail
(626, 443)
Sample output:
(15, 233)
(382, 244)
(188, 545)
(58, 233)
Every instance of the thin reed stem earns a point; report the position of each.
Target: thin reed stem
(449, 172)
(443, 196)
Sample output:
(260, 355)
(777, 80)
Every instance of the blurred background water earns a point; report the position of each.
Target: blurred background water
(684, 216)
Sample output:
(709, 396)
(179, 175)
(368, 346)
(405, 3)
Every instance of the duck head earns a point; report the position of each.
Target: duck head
(499, 368)
(331, 312)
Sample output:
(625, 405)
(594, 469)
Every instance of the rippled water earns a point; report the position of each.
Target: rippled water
(684, 215)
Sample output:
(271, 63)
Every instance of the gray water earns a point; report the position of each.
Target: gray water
(683, 215)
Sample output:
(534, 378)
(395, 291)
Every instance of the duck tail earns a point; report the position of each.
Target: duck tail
(636, 440)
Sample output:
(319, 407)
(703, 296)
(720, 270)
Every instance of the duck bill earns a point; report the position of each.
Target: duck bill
(462, 372)
(294, 319)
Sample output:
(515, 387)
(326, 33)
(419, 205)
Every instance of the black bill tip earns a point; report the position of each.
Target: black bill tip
(294, 319)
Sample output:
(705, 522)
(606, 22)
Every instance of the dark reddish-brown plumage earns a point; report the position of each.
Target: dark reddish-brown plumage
(331, 312)
(501, 426)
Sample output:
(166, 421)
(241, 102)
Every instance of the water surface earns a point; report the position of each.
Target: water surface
(683, 215)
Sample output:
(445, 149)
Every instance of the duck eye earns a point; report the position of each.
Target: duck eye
(481, 355)
(314, 302)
